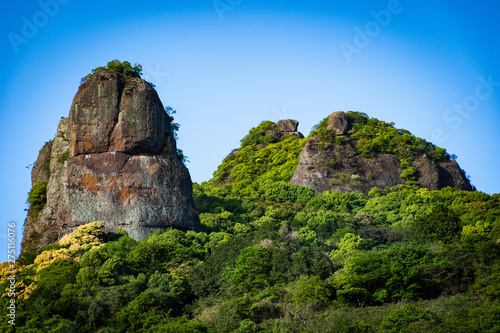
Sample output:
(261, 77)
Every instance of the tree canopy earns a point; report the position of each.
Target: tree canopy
(124, 69)
(277, 257)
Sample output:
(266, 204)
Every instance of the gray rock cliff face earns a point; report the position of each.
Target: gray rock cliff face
(41, 169)
(122, 167)
(334, 167)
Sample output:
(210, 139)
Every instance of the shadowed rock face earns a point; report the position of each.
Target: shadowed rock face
(122, 170)
(329, 167)
(341, 168)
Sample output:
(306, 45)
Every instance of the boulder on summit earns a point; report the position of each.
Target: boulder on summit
(336, 163)
(337, 122)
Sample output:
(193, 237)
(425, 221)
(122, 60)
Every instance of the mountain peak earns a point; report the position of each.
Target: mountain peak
(346, 152)
(114, 160)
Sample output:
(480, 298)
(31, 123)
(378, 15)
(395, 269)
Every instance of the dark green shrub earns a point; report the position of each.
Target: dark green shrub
(124, 69)
(285, 192)
(256, 160)
(174, 127)
(37, 197)
(54, 278)
(310, 289)
(487, 317)
(252, 270)
(260, 134)
(63, 157)
(178, 325)
(378, 137)
(148, 257)
(410, 318)
(409, 174)
(439, 224)
(269, 138)
(354, 297)
(248, 326)
(323, 134)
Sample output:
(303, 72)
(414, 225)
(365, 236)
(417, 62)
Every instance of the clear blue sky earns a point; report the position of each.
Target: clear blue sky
(228, 65)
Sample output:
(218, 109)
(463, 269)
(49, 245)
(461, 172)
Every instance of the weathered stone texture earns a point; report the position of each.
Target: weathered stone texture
(450, 174)
(122, 170)
(142, 122)
(288, 125)
(94, 113)
(41, 169)
(137, 192)
(337, 122)
(341, 168)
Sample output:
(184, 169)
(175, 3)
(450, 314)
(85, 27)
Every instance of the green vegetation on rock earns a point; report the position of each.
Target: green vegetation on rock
(63, 157)
(174, 128)
(124, 69)
(373, 137)
(279, 257)
(261, 157)
(378, 137)
(37, 197)
(260, 134)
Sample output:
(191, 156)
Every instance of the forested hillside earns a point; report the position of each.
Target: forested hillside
(278, 257)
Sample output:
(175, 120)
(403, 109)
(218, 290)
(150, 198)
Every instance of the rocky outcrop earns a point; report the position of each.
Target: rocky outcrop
(339, 167)
(114, 160)
(289, 127)
(435, 176)
(41, 169)
(111, 114)
(337, 122)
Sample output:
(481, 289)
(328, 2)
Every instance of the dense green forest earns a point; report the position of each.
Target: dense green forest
(277, 257)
